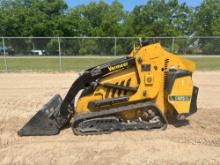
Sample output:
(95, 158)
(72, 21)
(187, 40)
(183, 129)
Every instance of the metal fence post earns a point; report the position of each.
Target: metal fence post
(173, 40)
(115, 51)
(4, 53)
(60, 54)
(185, 48)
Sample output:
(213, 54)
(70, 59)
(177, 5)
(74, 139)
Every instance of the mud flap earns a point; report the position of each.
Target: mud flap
(193, 105)
(44, 122)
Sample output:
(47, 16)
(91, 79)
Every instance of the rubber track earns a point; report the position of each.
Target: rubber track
(89, 115)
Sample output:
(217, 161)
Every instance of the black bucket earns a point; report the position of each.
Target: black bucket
(44, 122)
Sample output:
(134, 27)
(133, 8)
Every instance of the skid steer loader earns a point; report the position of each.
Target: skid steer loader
(137, 92)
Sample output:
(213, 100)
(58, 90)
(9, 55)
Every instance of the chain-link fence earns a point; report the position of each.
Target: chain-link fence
(55, 53)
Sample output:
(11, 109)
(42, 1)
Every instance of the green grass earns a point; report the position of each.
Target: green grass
(207, 63)
(52, 64)
(2, 64)
(39, 64)
(82, 63)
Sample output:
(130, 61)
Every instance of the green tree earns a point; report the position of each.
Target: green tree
(207, 18)
(97, 19)
(207, 23)
(31, 17)
(161, 18)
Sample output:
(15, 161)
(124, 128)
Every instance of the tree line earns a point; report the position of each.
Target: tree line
(159, 18)
(155, 18)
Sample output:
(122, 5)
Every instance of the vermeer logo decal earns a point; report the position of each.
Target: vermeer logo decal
(116, 67)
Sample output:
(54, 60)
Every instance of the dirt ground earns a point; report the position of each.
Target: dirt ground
(21, 95)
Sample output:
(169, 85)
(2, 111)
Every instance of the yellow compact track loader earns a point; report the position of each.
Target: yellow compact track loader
(137, 92)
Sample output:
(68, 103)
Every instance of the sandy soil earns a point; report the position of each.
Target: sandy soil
(21, 95)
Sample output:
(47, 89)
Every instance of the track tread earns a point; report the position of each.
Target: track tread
(103, 113)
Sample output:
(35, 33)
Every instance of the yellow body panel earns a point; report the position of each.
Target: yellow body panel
(149, 84)
(180, 96)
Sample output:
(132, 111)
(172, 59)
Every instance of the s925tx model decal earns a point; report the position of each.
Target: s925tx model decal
(179, 98)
